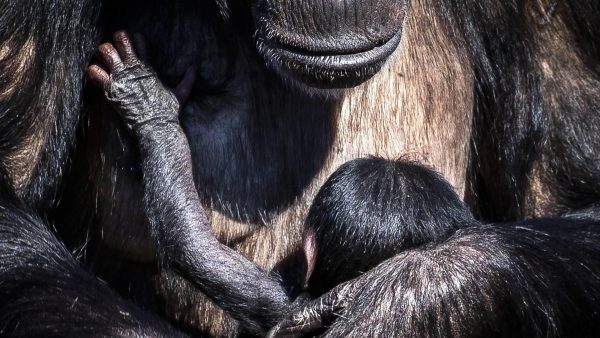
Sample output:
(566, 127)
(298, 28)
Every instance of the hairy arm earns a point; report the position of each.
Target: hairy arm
(521, 280)
(179, 223)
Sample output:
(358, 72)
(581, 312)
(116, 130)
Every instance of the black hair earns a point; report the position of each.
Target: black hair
(371, 209)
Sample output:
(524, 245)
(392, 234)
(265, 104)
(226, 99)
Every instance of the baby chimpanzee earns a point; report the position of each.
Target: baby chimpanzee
(368, 210)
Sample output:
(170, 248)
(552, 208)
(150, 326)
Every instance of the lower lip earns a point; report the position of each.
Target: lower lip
(341, 62)
(348, 70)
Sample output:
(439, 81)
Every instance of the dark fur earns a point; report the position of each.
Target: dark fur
(371, 209)
(536, 278)
(492, 281)
(61, 298)
(524, 120)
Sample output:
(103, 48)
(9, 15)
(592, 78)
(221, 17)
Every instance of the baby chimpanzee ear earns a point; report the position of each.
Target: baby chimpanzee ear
(309, 244)
(371, 209)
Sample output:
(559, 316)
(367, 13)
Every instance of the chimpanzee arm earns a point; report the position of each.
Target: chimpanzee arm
(179, 223)
(523, 280)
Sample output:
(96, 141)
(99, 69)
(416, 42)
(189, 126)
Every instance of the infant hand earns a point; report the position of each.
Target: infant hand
(132, 87)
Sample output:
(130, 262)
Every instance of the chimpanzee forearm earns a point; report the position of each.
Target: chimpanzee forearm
(178, 221)
(184, 235)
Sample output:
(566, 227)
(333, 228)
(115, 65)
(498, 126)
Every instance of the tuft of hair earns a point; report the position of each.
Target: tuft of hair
(224, 10)
(44, 49)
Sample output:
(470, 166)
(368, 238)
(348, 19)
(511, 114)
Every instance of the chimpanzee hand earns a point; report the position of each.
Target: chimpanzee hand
(317, 314)
(133, 88)
(327, 311)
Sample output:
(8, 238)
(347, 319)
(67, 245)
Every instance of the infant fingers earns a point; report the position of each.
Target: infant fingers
(98, 76)
(110, 57)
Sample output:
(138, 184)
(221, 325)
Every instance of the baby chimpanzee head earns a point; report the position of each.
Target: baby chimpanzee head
(371, 209)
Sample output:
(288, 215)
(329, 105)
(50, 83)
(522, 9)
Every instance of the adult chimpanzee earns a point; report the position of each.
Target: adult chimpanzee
(369, 208)
(522, 75)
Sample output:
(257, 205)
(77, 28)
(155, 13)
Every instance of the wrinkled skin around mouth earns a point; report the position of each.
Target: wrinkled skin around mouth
(328, 44)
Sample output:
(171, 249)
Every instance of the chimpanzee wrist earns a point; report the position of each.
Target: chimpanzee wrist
(158, 133)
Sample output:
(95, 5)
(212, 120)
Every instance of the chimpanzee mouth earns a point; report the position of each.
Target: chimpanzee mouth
(328, 70)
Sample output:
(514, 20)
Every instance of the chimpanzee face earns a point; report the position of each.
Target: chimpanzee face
(328, 43)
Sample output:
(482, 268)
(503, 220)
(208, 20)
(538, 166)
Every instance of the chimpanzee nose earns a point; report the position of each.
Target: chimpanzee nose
(332, 26)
